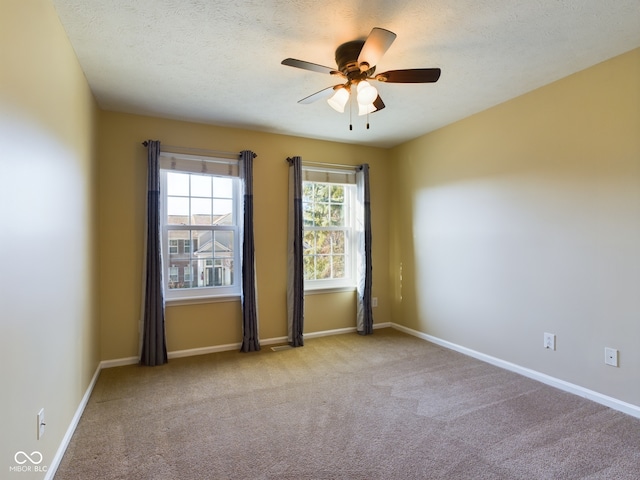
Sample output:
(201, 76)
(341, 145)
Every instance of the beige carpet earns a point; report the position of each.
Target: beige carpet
(386, 406)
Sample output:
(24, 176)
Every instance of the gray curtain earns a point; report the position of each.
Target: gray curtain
(364, 311)
(250, 342)
(154, 345)
(295, 283)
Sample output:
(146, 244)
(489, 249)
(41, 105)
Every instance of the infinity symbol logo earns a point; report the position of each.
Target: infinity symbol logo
(32, 458)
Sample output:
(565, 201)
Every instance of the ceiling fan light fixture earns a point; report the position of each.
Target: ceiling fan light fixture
(339, 99)
(366, 109)
(367, 93)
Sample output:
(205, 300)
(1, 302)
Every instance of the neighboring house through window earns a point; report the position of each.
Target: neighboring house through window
(200, 211)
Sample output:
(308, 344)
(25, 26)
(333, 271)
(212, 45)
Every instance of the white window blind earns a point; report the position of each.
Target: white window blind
(326, 175)
(198, 164)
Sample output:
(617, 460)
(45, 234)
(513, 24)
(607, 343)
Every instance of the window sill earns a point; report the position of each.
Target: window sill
(174, 302)
(323, 290)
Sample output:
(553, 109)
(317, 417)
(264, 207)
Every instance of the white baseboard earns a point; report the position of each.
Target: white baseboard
(204, 350)
(119, 362)
(614, 403)
(340, 331)
(382, 325)
(273, 341)
(53, 466)
(326, 333)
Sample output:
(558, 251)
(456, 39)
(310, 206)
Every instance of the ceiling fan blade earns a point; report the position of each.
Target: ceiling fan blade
(377, 43)
(324, 93)
(415, 75)
(378, 103)
(314, 67)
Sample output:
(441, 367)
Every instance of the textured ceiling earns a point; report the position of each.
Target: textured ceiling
(218, 61)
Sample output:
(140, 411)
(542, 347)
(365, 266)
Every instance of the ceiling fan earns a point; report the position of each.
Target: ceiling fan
(356, 62)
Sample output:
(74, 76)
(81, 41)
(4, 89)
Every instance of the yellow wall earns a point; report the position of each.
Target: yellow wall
(122, 171)
(525, 219)
(48, 316)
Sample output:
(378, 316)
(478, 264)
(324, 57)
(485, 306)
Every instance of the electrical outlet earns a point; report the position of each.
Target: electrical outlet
(41, 423)
(374, 301)
(611, 356)
(549, 341)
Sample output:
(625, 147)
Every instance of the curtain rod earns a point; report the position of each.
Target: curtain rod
(201, 151)
(330, 165)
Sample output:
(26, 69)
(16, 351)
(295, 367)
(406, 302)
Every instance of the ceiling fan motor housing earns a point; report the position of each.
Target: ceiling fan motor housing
(347, 61)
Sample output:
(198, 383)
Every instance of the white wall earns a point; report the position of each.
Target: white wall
(525, 219)
(49, 330)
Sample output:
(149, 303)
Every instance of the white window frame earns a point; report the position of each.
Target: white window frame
(191, 164)
(315, 175)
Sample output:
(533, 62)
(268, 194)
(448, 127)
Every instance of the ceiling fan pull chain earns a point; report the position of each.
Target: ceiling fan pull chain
(350, 112)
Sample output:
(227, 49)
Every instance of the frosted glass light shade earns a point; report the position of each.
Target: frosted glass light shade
(339, 99)
(364, 109)
(367, 93)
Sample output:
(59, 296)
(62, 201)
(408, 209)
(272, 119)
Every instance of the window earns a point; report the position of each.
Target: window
(329, 234)
(173, 275)
(187, 274)
(200, 211)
